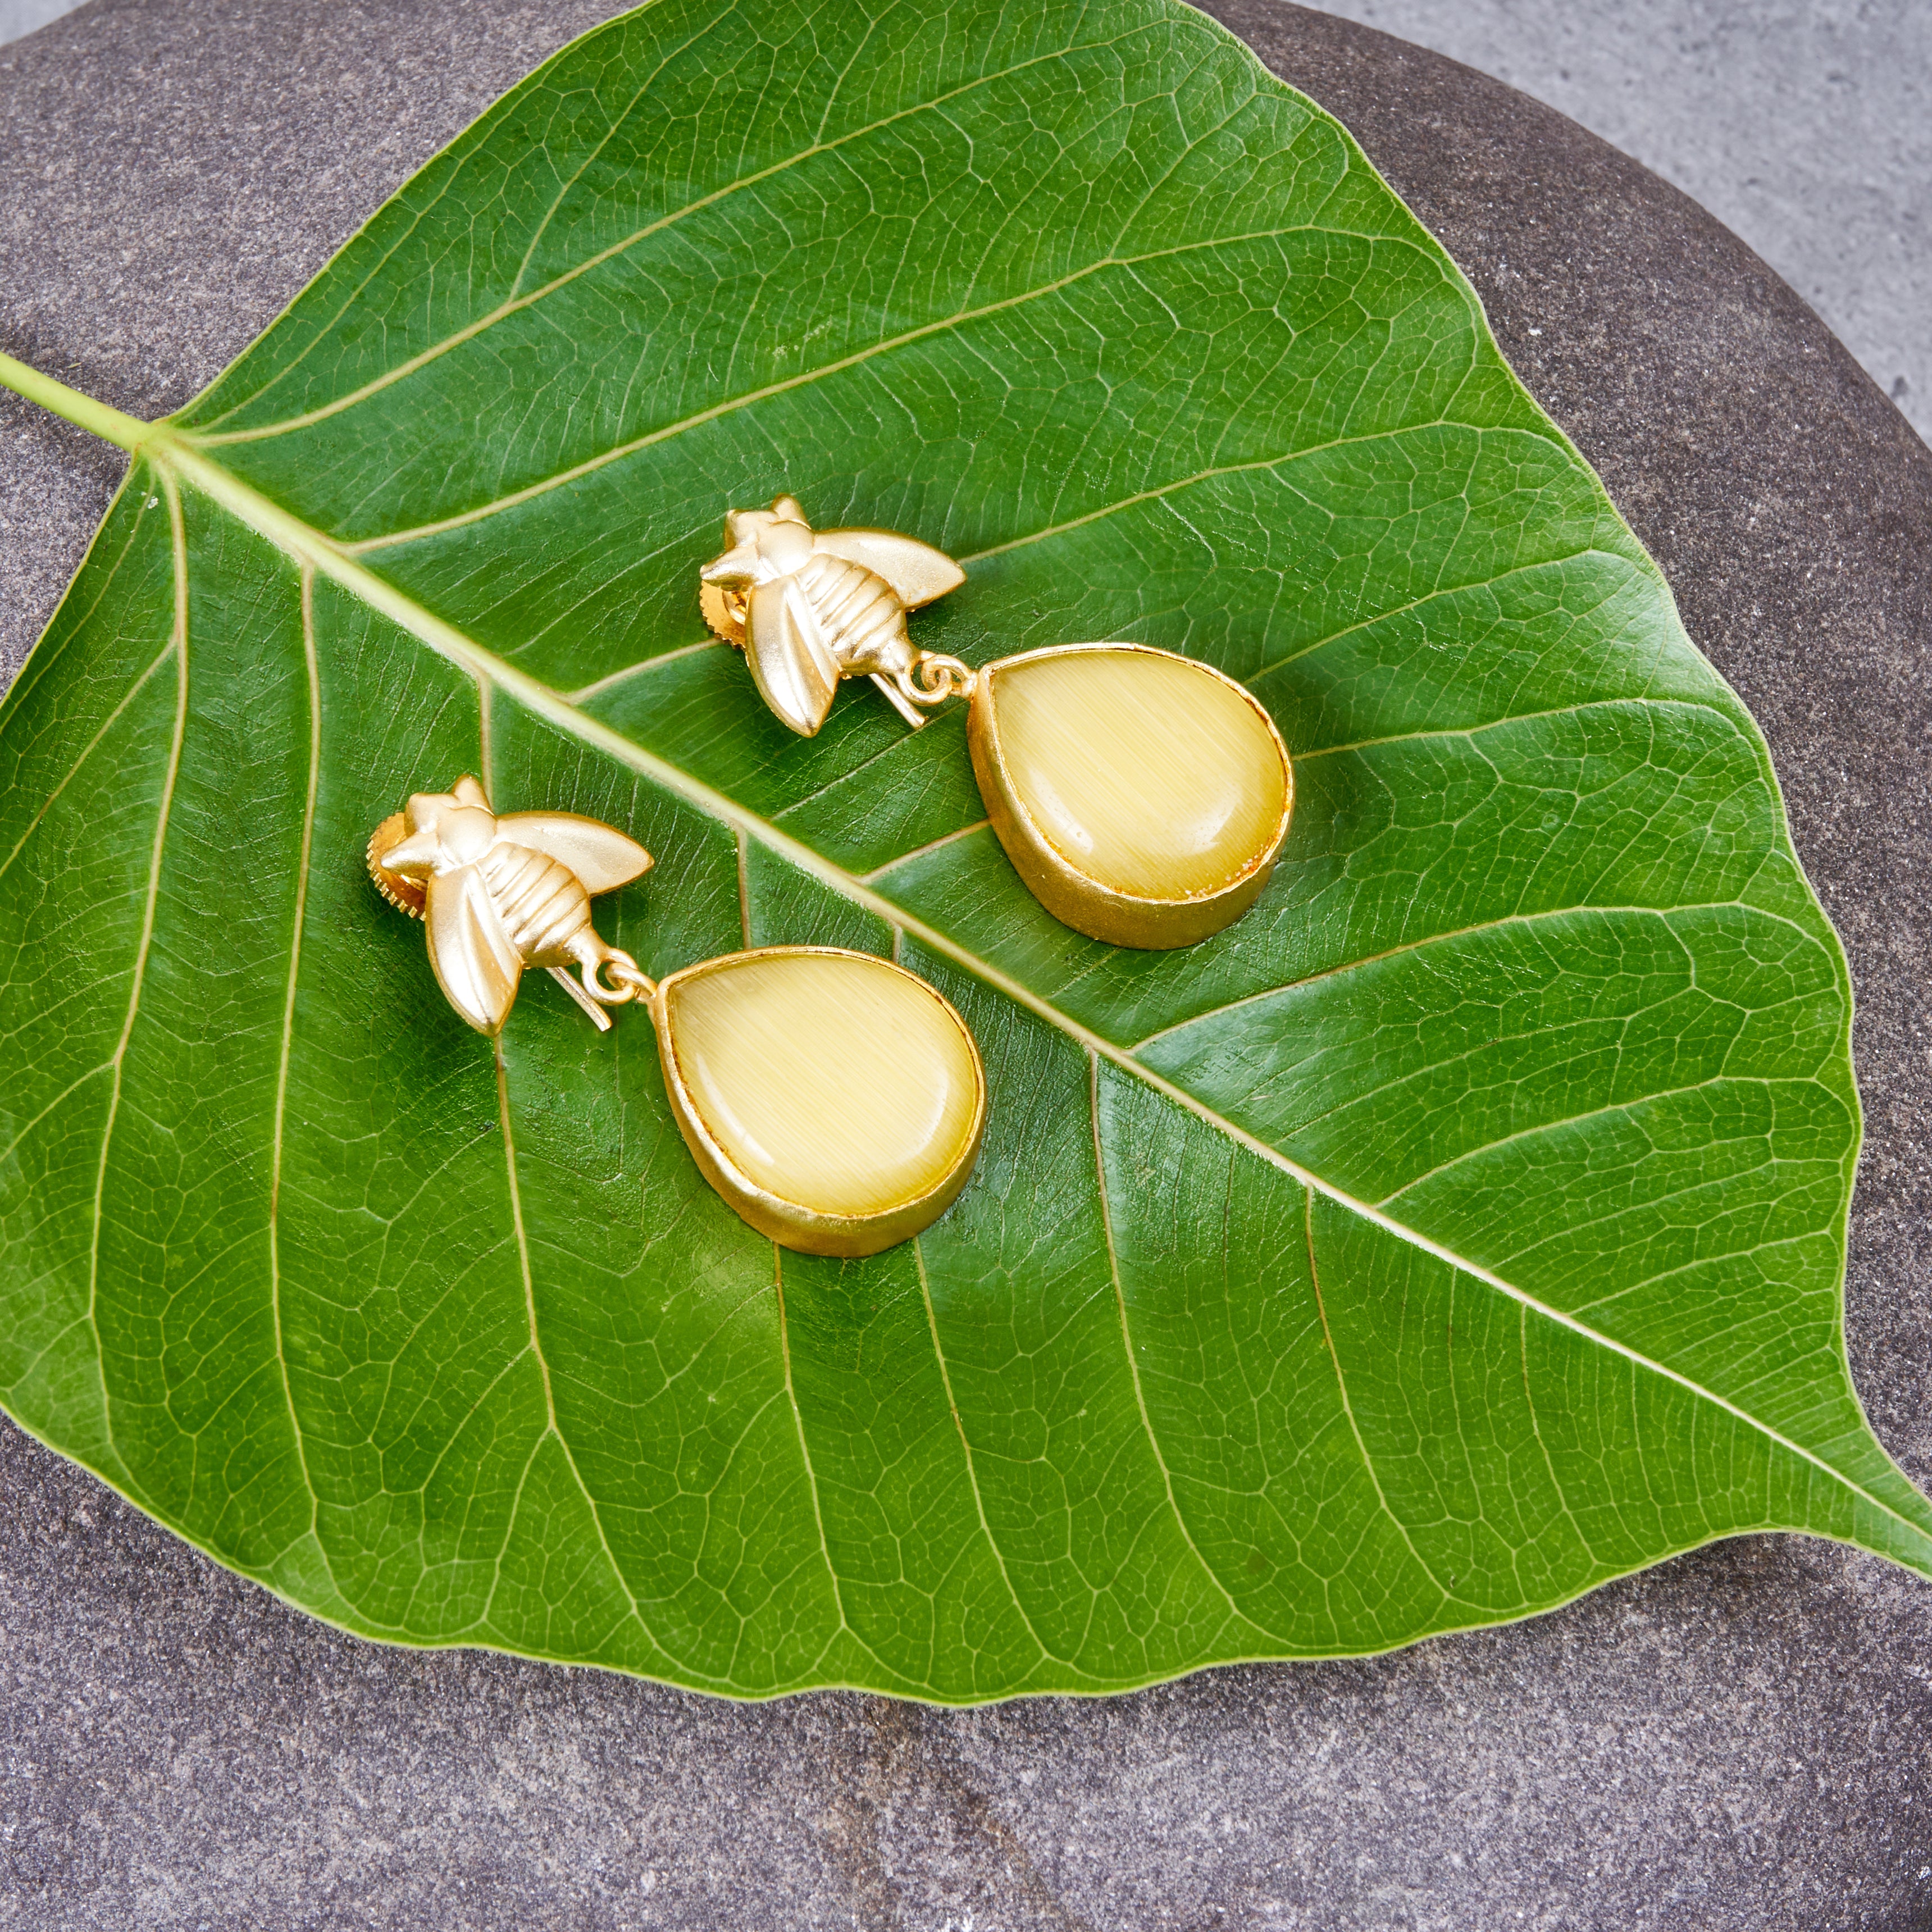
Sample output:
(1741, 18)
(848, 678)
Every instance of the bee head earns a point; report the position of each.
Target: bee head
(442, 830)
(762, 544)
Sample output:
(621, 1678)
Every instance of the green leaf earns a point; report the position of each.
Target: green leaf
(1462, 1228)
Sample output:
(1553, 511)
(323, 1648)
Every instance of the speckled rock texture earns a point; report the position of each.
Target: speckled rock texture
(1742, 1738)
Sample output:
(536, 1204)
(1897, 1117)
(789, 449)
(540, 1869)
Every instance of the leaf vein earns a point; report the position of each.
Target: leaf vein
(178, 530)
(966, 1452)
(515, 304)
(1207, 1569)
(1348, 1407)
(280, 1117)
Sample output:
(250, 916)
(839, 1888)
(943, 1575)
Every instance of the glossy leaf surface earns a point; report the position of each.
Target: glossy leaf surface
(1463, 1227)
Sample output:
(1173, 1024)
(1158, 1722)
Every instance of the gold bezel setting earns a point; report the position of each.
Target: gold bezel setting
(807, 1230)
(1076, 898)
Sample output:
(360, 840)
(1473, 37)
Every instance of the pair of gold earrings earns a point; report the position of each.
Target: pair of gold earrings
(835, 1099)
(1142, 796)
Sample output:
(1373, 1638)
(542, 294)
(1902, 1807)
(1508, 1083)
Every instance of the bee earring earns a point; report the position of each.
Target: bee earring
(1142, 796)
(835, 1099)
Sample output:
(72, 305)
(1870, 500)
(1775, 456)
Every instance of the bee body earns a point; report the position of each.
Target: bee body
(812, 607)
(859, 614)
(544, 909)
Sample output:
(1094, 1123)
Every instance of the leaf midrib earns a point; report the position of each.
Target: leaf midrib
(176, 458)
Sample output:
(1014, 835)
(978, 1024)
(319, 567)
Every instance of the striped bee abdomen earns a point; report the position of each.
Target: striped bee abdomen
(543, 904)
(858, 611)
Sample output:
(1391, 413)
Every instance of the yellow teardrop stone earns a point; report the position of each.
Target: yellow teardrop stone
(837, 1085)
(1146, 776)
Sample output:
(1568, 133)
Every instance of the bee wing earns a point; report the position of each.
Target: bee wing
(475, 964)
(791, 662)
(917, 572)
(603, 860)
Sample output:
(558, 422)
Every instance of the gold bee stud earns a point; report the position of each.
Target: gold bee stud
(835, 1100)
(809, 607)
(1142, 796)
(500, 894)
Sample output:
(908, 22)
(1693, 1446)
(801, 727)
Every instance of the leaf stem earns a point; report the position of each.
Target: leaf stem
(129, 432)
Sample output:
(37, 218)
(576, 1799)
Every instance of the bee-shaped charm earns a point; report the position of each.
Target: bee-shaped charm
(500, 894)
(811, 607)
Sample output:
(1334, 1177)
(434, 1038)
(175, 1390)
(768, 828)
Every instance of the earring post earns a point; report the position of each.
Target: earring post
(909, 711)
(599, 1018)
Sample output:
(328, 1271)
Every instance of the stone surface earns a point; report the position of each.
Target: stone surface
(1742, 1738)
(1807, 126)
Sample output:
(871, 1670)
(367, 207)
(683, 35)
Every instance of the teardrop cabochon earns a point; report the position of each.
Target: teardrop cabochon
(1142, 796)
(834, 1099)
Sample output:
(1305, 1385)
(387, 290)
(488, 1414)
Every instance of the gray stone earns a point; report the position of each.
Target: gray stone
(1807, 128)
(1739, 1739)
(22, 16)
